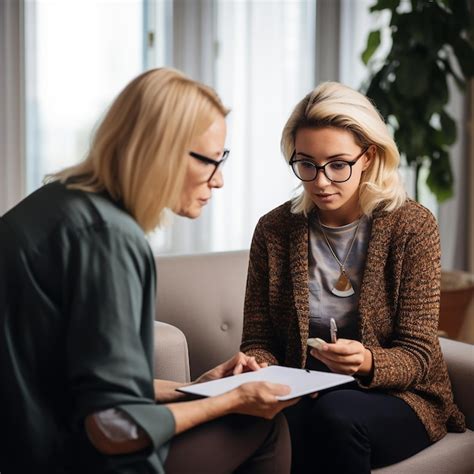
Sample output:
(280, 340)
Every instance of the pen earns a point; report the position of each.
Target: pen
(333, 330)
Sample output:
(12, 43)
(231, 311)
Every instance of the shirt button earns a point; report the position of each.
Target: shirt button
(224, 326)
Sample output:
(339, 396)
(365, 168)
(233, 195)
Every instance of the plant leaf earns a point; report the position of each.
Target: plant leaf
(460, 11)
(465, 56)
(383, 4)
(413, 75)
(440, 177)
(448, 128)
(457, 78)
(373, 42)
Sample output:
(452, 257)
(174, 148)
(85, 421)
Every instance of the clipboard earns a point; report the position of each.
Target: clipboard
(301, 381)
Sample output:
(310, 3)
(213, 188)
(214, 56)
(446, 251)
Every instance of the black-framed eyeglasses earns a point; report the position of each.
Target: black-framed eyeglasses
(336, 171)
(209, 161)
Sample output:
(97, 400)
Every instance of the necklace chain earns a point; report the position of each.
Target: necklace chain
(341, 265)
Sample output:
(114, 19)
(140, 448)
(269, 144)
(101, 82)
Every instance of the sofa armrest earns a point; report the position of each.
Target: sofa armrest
(171, 359)
(459, 357)
(209, 314)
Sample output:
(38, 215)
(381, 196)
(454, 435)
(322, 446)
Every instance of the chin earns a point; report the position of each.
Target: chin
(327, 206)
(191, 213)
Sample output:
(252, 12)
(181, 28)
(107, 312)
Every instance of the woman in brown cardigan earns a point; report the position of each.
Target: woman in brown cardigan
(351, 247)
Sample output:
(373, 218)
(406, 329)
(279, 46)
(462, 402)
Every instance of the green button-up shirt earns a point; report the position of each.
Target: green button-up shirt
(77, 304)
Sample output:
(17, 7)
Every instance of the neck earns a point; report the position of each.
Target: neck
(336, 218)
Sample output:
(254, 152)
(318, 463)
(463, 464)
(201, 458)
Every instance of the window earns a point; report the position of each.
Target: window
(79, 55)
(264, 67)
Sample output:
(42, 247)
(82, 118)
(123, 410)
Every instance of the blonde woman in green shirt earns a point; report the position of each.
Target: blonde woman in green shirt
(77, 304)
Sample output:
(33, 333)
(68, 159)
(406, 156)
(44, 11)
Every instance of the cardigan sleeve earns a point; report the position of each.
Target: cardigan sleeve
(406, 362)
(108, 293)
(258, 338)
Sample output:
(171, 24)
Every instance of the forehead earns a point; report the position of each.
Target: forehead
(217, 128)
(214, 136)
(324, 138)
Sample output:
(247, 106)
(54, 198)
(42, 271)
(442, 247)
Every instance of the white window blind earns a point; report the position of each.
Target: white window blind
(262, 63)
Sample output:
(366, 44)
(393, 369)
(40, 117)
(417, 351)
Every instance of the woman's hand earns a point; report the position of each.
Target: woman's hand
(252, 398)
(260, 399)
(236, 365)
(345, 357)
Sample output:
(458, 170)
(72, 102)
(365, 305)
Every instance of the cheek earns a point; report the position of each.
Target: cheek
(356, 179)
(193, 191)
(307, 186)
(190, 186)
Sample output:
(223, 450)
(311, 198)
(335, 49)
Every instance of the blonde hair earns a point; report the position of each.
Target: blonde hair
(138, 152)
(334, 105)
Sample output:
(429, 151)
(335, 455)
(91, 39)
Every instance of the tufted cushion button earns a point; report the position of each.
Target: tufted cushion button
(224, 326)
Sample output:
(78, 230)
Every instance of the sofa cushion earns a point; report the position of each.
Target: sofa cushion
(459, 357)
(453, 454)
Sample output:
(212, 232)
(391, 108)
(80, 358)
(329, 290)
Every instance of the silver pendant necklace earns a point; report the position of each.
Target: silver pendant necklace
(343, 285)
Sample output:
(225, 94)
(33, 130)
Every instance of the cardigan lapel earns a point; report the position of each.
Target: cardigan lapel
(298, 244)
(373, 272)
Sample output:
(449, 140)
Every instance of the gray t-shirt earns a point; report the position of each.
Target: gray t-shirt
(324, 271)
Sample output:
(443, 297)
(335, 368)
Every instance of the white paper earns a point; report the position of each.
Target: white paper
(301, 381)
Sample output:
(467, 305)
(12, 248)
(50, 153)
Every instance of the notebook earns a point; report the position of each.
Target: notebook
(301, 381)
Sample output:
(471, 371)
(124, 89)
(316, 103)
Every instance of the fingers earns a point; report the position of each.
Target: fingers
(341, 351)
(252, 364)
(238, 369)
(244, 363)
(344, 357)
(356, 358)
(342, 347)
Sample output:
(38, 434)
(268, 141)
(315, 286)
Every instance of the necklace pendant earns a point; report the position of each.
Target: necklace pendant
(343, 287)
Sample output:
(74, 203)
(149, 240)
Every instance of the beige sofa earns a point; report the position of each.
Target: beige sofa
(203, 296)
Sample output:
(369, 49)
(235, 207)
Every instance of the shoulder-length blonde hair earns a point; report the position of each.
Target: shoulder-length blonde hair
(334, 105)
(138, 153)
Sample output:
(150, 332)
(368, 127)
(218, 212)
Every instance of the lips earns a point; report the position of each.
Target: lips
(325, 197)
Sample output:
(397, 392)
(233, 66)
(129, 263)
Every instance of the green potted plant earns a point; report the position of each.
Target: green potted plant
(432, 41)
(410, 85)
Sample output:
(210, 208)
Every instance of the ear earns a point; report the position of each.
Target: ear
(369, 156)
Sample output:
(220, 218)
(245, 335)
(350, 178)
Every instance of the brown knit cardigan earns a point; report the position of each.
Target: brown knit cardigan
(398, 306)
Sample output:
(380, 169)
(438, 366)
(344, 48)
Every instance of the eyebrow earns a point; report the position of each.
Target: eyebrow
(337, 155)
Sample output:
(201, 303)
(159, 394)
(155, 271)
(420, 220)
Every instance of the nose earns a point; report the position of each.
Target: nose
(321, 179)
(217, 180)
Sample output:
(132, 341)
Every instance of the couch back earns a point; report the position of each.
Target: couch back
(203, 295)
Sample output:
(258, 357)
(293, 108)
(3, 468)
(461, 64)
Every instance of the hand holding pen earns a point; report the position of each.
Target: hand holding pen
(342, 356)
(318, 343)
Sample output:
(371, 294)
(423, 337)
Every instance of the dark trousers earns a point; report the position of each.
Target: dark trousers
(236, 443)
(352, 431)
